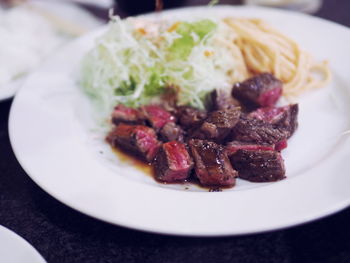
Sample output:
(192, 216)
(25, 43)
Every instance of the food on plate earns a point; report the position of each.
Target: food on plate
(258, 131)
(136, 59)
(263, 90)
(173, 163)
(198, 99)
(212, 166)
(282, 117)
(259, 165)
(211, 147)
(217, 125)
(265, 49)
(189, 117)
(139, 140)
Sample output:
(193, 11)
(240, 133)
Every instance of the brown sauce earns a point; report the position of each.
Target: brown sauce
(148, 169)
(134, 161)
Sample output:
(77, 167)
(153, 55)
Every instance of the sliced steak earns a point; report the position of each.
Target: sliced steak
(221, 100)
(189, 117)
(169, 99)
(212, 166)
(125, 114)
(234, 146)
(173, 163)
(281, 145)
(157, 116)
(218, 124)
(269, 114)
(289, 122)
(258, 165)
(257, 131)
(285, 118)
(135, 139)
(261, 90)
(171, 132)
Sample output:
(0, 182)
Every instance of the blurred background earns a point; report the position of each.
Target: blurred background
(135, 7)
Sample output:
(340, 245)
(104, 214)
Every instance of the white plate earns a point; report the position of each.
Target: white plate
(14, 249)
(66, 11)
(53, 136)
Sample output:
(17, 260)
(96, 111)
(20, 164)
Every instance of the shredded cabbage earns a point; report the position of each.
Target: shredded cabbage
(136, 59)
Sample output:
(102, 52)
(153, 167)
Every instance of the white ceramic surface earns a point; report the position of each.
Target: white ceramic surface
(14, 249)
(67, 12)
(55, 138)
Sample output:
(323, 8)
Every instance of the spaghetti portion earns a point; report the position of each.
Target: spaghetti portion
(264, 49)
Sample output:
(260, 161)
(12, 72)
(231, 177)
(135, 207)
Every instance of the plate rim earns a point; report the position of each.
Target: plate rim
(23, 243)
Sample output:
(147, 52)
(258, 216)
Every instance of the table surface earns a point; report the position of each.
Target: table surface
(62, 234)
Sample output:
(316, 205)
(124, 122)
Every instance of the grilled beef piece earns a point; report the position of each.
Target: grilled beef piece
(285, 118)
(189, 117)
(257, 131)
(212, 166)
(258, 165)
(234, 146)
(125, 114)
(173, 163)
(169, 99)
(261, 90)
(269, 114)
(136, 139)
(171, 132)
(289, 121)
(220, 100)
(157, 116)
(218, 124)
(281, 145)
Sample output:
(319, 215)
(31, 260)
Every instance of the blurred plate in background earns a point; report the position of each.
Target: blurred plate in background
(67, 21)
(14, 249)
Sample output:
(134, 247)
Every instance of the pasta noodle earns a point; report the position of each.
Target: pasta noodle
(264, 49)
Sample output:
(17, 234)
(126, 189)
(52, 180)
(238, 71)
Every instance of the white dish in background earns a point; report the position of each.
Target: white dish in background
(54, 137)
(14, 249)
(65, 17)
(100, 3)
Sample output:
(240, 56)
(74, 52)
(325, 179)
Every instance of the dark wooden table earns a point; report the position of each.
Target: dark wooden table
(61, 234)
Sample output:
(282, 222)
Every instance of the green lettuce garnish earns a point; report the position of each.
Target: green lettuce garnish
(126, 67)
(182, 46)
